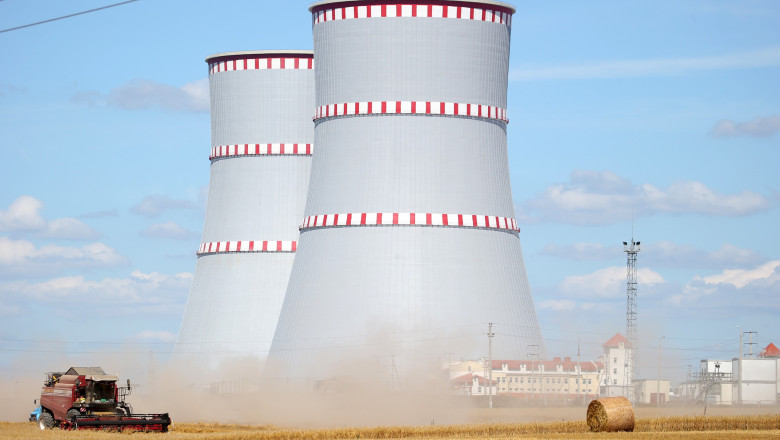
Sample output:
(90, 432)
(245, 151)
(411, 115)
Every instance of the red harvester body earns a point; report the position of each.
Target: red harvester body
(88, 398)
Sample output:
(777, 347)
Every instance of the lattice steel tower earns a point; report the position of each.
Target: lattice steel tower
(631, 251)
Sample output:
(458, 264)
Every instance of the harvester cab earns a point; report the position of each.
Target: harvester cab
(88, 398)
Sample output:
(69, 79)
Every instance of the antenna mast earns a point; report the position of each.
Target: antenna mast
(631, 251)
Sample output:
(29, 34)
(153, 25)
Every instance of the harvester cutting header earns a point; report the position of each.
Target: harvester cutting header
(88, 398)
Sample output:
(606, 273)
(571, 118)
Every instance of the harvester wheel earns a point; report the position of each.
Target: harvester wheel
(72, 413)
(46, 421)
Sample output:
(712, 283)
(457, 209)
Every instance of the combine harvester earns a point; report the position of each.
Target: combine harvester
(88, 398)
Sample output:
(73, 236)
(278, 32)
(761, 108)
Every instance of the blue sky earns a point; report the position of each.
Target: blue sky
(669, 110)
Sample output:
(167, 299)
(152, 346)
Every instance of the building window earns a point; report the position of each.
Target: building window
(614, 381)
(614, 360)
(522, 380)
(614, 370)
(479, 389)
(589, 381)
(566, 381)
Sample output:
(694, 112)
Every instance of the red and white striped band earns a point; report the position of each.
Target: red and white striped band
(410, 219)
(261, 64)
(260, 150)
(411, 107)
(220, 247)
(407, 10)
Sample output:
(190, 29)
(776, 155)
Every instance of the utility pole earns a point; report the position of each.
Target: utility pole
(394, 377)
(739, 390)
(751, 343)
(490, 335)
(449, 365)
(533, 367)
(658, 379)
(484, 376)
(579, 371)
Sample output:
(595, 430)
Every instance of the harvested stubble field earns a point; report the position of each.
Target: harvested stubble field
(765, 426)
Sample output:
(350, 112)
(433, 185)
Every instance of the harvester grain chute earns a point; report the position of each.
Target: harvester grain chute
(88, 398)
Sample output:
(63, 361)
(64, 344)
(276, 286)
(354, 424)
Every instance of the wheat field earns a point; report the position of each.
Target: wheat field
(765, 426)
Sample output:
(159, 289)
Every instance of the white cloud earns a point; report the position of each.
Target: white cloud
(765, 57)
(69, 228)
(23, 215)
(593, 197)
(740, 278)
(609, 282)
(167, 230)
(153, 206)
(758, 127)
(198, 94)
(22, 258)
(142, 94)
(138, 288)
(755, 288)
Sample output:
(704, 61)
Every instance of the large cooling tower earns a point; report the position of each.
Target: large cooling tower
(261, 137)
(408, 247)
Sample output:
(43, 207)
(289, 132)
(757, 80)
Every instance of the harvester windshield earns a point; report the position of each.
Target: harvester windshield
(100, 392)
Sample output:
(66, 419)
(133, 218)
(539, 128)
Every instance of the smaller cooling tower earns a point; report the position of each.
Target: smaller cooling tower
(261, 146)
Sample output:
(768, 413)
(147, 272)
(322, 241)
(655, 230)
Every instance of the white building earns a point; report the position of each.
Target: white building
(718, 381)
(560, 380)
(471, 384)
(711, 384)
(613, 381)
(759, 382)
(650, 391)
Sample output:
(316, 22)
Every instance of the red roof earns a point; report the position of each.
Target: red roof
(616, 340)
(469, 378)
(770, 351)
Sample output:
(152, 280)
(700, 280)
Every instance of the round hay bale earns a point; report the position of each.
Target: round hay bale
(610, 414)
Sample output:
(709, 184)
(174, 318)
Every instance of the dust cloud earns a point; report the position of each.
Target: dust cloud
(238, 393)
(355, 393)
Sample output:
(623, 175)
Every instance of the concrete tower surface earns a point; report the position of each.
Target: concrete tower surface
(261, 137)
(408, 248)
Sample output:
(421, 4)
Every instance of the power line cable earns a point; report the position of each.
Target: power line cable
(66, 16)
